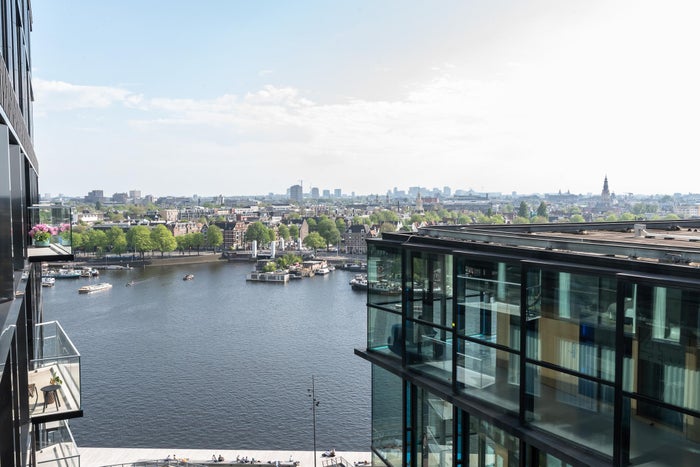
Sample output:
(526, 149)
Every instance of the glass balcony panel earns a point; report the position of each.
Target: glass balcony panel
(490, 374)
(429, 350)
(54, 376)
(383, 331)
(573, 408)
(667, 438)
(56, 446)
(50, 233)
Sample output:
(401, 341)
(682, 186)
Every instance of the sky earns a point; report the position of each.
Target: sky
(233, 97)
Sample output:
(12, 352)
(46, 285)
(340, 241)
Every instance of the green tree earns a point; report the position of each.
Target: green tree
(294, 232)
(215, 236)
(197, 240)
(311, 222)
(329, 231)
(95, 240)
(577, 218)
(340, 224)
(387, 227)
(116, 238)
(283, 232)
(287, 260)
(521, 220)
(163, 239)
(314, 241)
(257, 231)
(542, 209)
(524, 210)
(139, 239)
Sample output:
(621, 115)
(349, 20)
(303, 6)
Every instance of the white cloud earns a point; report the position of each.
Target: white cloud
(57, 96)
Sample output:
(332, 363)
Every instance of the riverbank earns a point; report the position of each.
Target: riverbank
(96, 457)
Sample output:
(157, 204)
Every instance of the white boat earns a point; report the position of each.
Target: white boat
(48, 281)
(102, 286)
(359, 282)
(188, 277)
(323, 271)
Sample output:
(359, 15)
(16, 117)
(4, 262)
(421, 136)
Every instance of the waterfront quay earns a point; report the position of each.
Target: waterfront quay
(99, 457)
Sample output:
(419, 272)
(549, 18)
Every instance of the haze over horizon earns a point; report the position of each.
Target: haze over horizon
(251, 97)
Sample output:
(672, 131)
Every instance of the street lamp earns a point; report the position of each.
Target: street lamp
(314, 404)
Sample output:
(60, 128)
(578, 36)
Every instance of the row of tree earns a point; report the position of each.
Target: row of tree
(142, 239)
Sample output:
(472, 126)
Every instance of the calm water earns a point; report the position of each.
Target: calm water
(217, 362)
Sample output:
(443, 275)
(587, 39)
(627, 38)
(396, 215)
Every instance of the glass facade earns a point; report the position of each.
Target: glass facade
(595, 364)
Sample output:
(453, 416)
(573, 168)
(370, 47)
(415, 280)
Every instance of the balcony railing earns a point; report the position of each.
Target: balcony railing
(54, 376)
(56, 220)
(56, 446)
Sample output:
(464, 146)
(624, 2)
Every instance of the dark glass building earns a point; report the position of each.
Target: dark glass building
(535, 345)
(39, 366)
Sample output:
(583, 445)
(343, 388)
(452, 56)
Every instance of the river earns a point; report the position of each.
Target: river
(217, 362)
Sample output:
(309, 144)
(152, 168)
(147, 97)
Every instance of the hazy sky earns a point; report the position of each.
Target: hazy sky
(249, 97)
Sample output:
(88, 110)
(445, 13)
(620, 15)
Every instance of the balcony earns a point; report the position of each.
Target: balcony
(55, 220)
(55, 446)
(54, 376)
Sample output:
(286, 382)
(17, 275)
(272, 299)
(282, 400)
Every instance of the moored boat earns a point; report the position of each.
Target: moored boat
(359, 282)
(102, 286)
(188, 277)
(48, 281)
(277, 276)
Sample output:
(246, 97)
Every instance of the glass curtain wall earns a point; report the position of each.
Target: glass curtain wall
(487, 325)
(662, 371)
(428, 338)
(387, 420)
(571, 364)
(384, 324)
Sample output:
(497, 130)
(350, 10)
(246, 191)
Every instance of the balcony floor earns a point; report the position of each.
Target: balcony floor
(40, 378)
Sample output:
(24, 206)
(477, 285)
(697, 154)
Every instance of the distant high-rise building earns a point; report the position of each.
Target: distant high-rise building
(326, 193)
(314, 193)
(446, 191)
(338, 193)
(296, 194)
(135, 195)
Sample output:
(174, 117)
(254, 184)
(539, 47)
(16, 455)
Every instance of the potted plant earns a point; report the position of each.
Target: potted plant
(50, 395)
(41, 234)
(64, 237)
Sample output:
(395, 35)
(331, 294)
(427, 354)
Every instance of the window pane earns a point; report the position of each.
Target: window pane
(383, 331)
(488, 301)
(387, 432)
(384, 277)
(573, 408)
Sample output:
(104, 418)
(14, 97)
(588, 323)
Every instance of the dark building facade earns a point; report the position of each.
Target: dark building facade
(535, 345)
(39, 367)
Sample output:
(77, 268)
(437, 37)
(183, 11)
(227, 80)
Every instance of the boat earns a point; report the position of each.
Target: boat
(277, 276)
(359, 282)
(323, 271)
(188, 277)
(62, 273)
(130, 284)
(48, 281)
(102, 286)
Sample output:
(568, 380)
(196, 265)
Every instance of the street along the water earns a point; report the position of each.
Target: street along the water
(217, 362)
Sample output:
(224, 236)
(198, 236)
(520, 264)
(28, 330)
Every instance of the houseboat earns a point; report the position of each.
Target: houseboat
(276, 276)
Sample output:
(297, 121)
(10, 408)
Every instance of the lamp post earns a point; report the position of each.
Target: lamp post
(314, 404)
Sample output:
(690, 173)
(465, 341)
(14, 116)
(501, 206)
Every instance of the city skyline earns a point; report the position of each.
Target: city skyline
(236, 97)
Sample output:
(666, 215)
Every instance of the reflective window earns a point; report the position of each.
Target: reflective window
(662, 355)
(434, 417)
(428, 284)
(571, 407)
(491, 446)
(489, 374)
(429, 349)
(384, 277)
(488, 301)
(384, 331)
(573, 324)
(387, 432)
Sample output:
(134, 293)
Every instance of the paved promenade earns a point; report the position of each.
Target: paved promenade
(97, 457)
